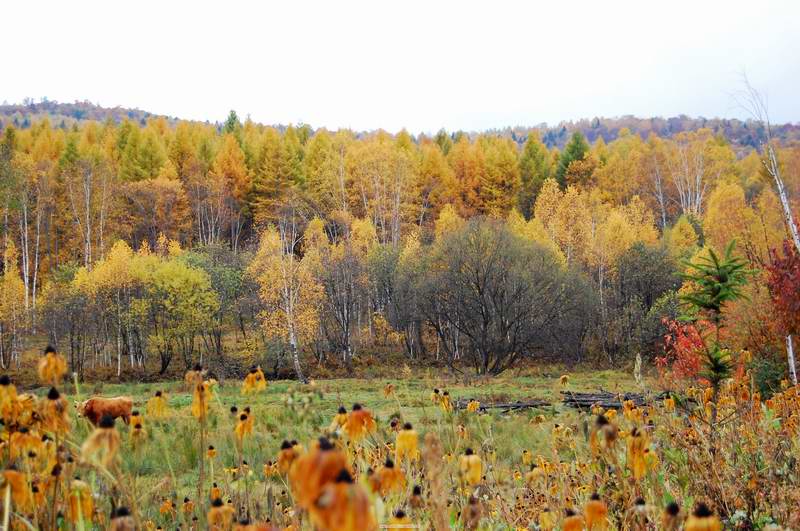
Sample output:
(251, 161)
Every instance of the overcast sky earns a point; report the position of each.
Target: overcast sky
(419, 65)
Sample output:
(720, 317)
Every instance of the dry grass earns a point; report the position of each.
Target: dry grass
(534, 461)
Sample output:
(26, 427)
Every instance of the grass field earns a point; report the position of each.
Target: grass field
(528, 469)
(167, 465)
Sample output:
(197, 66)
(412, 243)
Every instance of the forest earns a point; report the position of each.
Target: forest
(150, 245)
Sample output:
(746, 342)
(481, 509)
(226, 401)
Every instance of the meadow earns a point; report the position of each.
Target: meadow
(287, 456)
(286, 410)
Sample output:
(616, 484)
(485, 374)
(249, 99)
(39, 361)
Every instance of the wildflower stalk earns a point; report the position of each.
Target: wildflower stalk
(81, 526)
(399, 405)
(57, 482)
(240, 451)
(7, 507)
(118, 477)
(432, 456)
(202, 392)
(27, 524)
(169, 463)
(201, 479)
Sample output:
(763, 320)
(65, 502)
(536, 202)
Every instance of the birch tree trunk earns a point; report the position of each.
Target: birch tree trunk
(659, 192)
(296, 356)
(771, 164)
(757, 107)
(790, 353)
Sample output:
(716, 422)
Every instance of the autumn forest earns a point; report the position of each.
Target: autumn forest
(149, 245)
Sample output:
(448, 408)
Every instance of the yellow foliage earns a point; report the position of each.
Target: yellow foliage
(533, 231)
(727, 215)
(363, 235)
(448, 221)
(229, 165)
(12, 292)
(681, 239)
(288, 288)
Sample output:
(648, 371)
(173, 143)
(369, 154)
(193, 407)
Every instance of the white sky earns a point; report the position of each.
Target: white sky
(421, 65)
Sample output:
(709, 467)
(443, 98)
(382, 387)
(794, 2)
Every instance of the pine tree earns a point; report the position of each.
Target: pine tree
(715, 282)
(130, 169)
(444, 141)
(576, 149)
(232, 124)
(534, 166)
(70, 154)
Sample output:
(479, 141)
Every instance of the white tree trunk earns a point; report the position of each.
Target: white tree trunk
(790, 354)
(773, 169)
(296, 356)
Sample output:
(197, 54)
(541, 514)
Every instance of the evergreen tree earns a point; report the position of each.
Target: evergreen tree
(576, 149)
(232, 124)
(444, 141)
(130, 169)
(534, 166)
(715, 282)
(70, 154)
(151, 155)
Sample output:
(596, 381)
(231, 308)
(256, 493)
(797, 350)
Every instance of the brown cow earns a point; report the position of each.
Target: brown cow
(97, 406)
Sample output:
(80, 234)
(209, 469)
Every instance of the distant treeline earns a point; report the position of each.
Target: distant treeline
(740, 133)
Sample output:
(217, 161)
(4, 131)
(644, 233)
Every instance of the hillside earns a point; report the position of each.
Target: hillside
(67, 114)
(738, 132)
(741, 134)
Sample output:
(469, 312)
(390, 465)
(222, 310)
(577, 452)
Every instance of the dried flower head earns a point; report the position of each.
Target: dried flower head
(52, 367)
(55, 413)
(102, 444)
(220, 516)
(390, 478)
(315, 469)
(121, 520)
(157, 406)
(703, 519)
(359, 423)
(596, 513)
(407, 444)
(343, 505)
(671, 517)
(254, 382)
(572, 521)
(470, 467)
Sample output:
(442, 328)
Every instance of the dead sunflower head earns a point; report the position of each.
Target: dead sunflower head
(102, 444)
(55, 413)
(52, 366)
(121, 520)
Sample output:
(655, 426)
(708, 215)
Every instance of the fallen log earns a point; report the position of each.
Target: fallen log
(606, 400)
(506, 406)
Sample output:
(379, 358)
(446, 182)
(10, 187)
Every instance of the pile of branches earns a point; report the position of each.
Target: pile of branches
(505, 406)
(607, 400)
